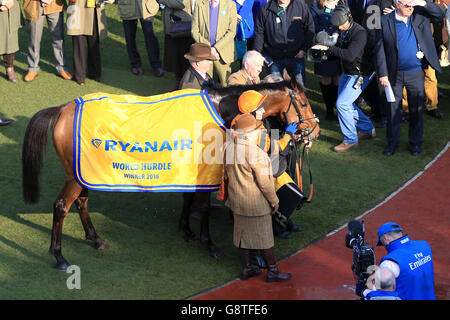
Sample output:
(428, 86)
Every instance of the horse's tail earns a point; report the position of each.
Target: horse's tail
(34, 144)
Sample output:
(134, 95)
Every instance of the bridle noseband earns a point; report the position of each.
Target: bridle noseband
(306, 133)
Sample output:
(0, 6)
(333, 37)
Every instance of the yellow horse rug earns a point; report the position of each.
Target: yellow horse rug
(165, 143)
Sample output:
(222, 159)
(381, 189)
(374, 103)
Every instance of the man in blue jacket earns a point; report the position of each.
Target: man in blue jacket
(410, 261)
(284, 31)
(404, 48)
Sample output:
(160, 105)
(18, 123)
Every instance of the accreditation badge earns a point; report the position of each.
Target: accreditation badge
(419, 55)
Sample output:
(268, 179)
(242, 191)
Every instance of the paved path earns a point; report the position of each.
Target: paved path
(322, 270)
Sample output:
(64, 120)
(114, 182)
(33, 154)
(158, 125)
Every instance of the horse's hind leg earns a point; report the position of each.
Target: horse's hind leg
(203, 200)
(188, 200)
(61, 207)
(90, 234)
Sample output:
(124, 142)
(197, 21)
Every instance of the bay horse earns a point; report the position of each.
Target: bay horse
(285, 100)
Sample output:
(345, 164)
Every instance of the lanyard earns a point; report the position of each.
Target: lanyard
(345, 35)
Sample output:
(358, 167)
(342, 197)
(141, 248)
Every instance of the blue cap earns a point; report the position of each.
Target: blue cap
(385, 228)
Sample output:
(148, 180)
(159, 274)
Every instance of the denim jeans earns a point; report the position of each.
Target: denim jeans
(294, 66)
(349, 115)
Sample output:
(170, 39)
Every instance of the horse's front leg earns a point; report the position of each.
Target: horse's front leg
(203, 200)
(90, 233)
(61, 207)
(188, 200)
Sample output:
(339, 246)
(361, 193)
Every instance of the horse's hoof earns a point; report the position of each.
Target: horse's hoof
(216, 253)
(190, 237)
(62, 265)
(101, 245)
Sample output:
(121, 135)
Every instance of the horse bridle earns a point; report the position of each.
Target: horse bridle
(304, 132)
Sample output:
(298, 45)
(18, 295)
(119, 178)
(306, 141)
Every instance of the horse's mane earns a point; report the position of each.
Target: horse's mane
(238, 89)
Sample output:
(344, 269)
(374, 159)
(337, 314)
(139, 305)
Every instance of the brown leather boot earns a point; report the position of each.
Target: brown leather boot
(247, 269)
(345, 146)
(8, 60)
(273, 274)
(11, 74)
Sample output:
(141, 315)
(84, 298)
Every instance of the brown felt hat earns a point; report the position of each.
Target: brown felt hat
(246, 122)
(199, 52)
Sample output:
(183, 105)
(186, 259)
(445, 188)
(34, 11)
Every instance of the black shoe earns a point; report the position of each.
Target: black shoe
(435, 114)
(292, 227)
(405, 116)
(382, 123)
(416, 149)
(158, 72)
(390, 150)
(80, 82)
(137, 71)
(284, 235)
(5, 122)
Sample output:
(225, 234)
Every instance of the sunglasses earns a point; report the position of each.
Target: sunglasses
(405, 5)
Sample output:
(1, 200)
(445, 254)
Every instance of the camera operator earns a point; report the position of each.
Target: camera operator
(357, 74)
(381, 286)
(410, 261)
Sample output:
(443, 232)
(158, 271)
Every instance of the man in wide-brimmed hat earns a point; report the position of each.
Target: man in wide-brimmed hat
(200, 59)
(251, 197)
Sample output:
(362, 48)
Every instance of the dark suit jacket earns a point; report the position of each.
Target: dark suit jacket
(387, 45)
(357, 9)
(192, 79)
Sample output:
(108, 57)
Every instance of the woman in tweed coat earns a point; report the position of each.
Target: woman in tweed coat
(251, 197)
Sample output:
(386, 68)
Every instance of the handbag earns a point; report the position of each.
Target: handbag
(443, 59)
(179, 28)
(240, 45)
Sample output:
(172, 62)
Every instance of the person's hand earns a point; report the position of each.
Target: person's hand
(384, 81)
(239, 19)
(9, 4)
(297, 137)
(215, 53)
(274, 209)
(419, 3)
(319, 47)
(388, 10)
(46, 3)
(300, 54)
(291, 128)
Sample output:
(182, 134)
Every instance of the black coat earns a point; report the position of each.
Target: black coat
(269, 35)
(386, 45)
(350, 48)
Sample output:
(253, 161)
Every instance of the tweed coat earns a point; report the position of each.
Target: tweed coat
(251, 193)
(31, 8)
(250, 180)
(137, 9)
(240, 78)
(80, 20)
(9, 29)
(226, 27)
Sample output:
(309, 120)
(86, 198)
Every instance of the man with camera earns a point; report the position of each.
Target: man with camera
(357, 74)
(410, 261)
(284, 31)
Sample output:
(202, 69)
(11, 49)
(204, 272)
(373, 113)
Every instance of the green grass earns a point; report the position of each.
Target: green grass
(148, 259)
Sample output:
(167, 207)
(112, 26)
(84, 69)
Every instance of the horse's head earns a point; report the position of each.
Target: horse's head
(292, 105)
(286, 100)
